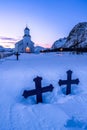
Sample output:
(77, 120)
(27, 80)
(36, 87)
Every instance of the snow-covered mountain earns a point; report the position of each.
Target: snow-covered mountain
(37, 49)
(8, 49)
(78, 36)
(59, 43)
(1, 49)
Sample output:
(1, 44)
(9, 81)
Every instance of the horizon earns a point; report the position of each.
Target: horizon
(47, 20)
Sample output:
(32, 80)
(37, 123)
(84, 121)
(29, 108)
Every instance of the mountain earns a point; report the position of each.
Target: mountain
(8, 49)
(37, 49)
(78, 36)
(1, 49)
(59, 43)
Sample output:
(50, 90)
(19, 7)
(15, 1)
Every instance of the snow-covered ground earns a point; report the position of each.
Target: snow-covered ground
(58, 111)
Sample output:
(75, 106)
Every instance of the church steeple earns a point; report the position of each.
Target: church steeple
(26, 32)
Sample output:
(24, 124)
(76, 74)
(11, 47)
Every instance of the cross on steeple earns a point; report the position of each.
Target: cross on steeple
(26, 25)
(38, 91)
(68, 82)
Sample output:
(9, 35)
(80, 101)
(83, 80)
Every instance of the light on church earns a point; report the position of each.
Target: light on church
(27, 49)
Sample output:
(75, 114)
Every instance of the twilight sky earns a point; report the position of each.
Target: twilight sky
(48, 20)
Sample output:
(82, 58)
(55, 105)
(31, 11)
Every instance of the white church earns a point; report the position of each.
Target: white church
(25, 45)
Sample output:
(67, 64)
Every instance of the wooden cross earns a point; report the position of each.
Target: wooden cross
(38, 91)
(68, 82)
(17, 55)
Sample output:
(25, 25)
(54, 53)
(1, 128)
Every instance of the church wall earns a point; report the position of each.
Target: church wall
(27, 43)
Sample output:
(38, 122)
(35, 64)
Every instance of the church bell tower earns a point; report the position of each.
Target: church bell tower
(27, 32)
(27, 43)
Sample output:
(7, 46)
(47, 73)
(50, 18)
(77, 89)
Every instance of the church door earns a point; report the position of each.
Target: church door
(27, 49)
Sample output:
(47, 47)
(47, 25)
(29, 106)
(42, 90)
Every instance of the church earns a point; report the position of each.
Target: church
(25, 45)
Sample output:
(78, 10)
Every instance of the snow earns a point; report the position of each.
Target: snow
(58, 111)
(37, 49)
(59, 43)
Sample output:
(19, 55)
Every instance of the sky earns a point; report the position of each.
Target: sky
(48, 20)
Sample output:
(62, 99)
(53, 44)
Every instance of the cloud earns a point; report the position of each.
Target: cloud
(8, 42)
(8, 39)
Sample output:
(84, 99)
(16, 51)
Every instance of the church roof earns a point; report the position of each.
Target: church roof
(26, 28)
(19, 42)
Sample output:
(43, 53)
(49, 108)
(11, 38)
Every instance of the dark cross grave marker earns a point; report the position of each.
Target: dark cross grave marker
(68, 82)
(38, 91)
(17, 55)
